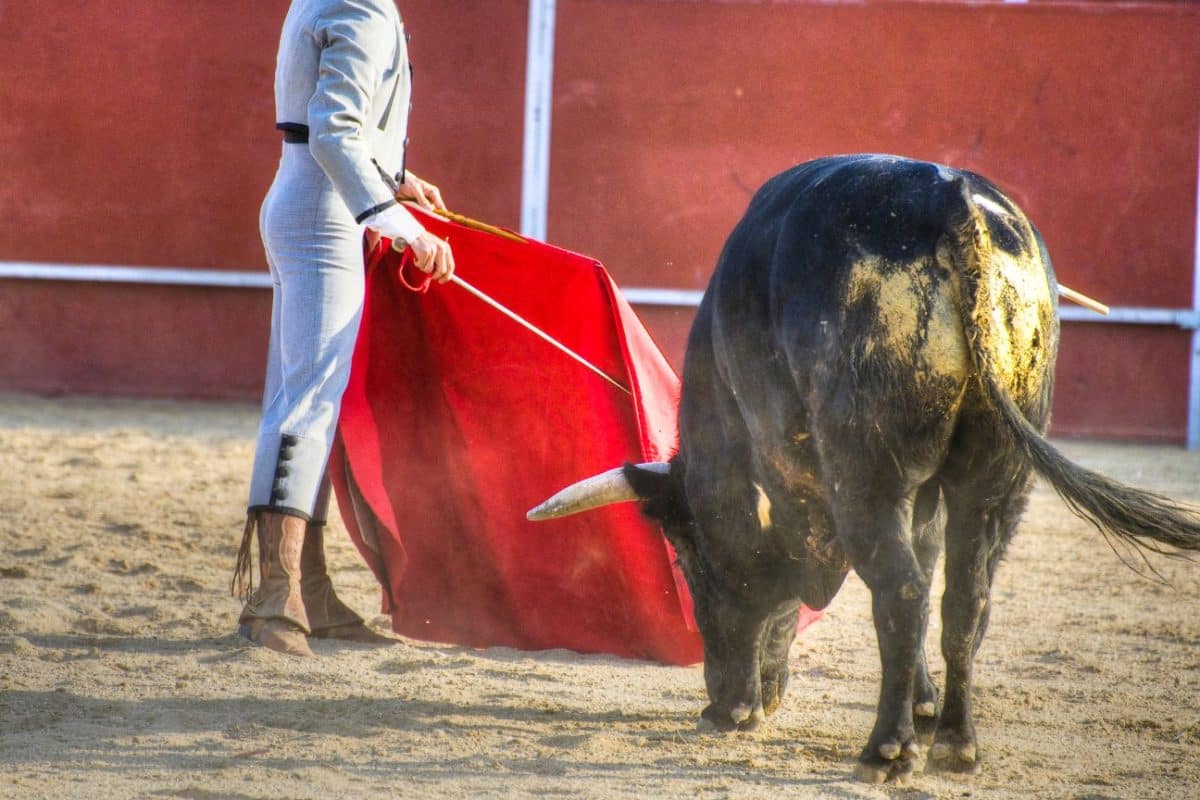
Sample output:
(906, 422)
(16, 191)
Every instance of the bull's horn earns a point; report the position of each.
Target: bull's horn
(599, 490)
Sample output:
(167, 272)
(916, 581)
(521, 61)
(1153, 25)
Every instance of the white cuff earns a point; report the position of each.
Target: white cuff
(395, 222)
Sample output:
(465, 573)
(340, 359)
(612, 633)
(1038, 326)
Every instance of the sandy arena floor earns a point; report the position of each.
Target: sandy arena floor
(121, 676)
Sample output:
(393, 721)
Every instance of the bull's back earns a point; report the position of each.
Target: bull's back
(844, 282)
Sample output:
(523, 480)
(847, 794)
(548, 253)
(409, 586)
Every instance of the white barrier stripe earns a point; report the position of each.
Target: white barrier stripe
(649, 296)
(172, 276)
(1129, 315)
(1193, 417)
(539, 96)
(636, 295)
(1125, 315)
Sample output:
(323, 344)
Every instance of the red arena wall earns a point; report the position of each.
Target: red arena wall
(141, 134)
(145, 137)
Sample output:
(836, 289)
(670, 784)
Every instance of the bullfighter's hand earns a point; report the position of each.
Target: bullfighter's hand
(433, 255)
(421, 192)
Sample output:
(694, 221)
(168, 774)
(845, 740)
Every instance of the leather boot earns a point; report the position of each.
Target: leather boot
(274, 616)
(328, 616)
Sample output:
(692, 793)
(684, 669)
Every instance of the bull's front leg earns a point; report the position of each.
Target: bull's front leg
(733, 590)
(732, 666)
(776, 643)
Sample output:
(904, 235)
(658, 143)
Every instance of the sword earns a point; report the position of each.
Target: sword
(529, 326)
(514, 316)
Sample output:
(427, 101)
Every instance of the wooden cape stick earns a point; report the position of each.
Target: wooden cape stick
(475, 224)
(467, 222)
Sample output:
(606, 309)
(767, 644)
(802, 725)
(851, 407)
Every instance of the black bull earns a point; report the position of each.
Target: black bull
(869, 374)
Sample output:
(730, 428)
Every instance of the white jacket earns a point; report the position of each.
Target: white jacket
(343, 72)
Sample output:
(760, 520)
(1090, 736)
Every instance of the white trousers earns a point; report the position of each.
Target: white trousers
(314, 251)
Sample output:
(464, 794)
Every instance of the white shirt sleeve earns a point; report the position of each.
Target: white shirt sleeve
(395, 222)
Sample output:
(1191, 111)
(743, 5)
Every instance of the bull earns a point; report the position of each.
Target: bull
(867, 382)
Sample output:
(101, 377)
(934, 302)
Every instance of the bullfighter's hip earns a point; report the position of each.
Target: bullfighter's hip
(304, 220)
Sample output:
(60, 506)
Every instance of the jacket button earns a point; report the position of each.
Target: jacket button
(289, 439)
(278, 494)
(282, 472)
(285, 453)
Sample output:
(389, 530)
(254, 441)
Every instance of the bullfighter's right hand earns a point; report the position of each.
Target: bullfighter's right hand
(433, 255)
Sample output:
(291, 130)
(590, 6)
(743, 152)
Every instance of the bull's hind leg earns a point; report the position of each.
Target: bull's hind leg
(929, 521)
(873, 514)
(977, 531)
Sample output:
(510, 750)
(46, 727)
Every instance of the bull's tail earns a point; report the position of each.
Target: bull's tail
(1140, 518)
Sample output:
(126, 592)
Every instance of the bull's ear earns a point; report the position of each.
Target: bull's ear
(649, 485)
(661, 492)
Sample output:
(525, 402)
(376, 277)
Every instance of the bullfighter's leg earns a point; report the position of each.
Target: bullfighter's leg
(873, 521)
(314, 250)
(328, 616)
(929, 520)
(978, 530)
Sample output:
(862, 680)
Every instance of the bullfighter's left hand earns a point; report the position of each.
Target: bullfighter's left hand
(421, 192)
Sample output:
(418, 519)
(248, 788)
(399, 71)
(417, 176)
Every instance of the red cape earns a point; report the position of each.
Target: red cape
(457, 420)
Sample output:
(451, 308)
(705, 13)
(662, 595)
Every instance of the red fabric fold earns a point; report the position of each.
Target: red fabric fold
(457, 420)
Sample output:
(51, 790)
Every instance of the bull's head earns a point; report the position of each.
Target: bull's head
(736, 701)
(659, 487)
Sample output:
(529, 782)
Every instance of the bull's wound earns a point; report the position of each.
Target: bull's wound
(870, 373)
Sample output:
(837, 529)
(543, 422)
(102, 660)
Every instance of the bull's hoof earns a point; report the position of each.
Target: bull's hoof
(739, 718)
(771, 700)
(955, 756)
(954, 749)
(774, 684)
(889, 762)
(746, 717)
(893, 772)
(925, 720)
